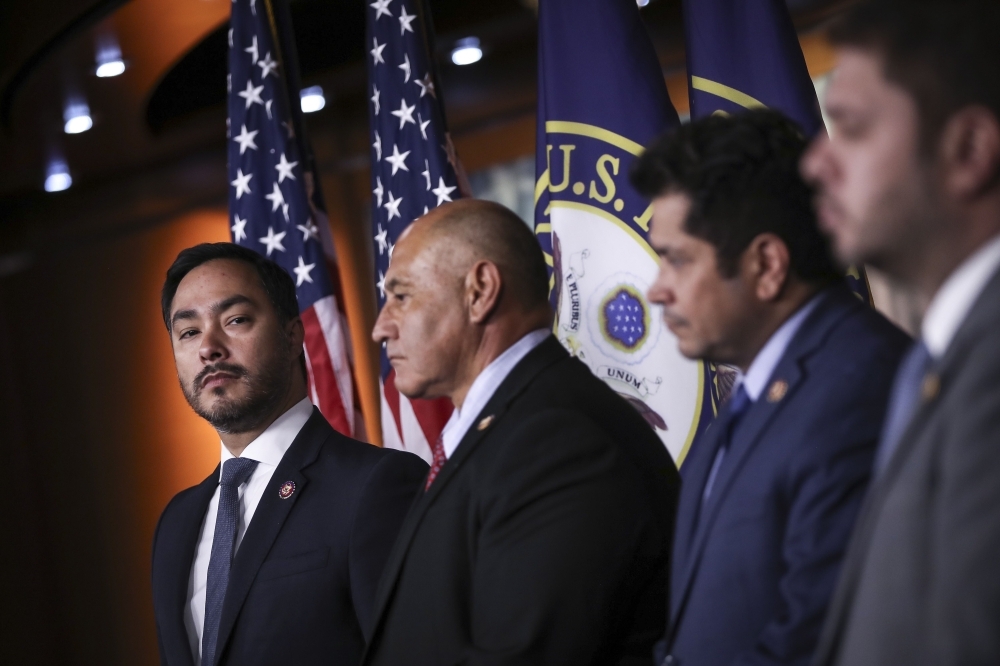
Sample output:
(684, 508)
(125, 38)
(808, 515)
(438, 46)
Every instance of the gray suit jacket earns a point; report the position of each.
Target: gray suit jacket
(921, 580)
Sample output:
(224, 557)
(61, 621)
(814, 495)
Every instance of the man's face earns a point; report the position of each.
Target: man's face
(234, 359)
(701, 307)
(875, 190)
(424, 321)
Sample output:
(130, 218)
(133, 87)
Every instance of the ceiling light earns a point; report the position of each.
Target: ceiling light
(109, 57)
(110, 68)
(312, 99)
(642, 3)
(77, 117)
(57, 179)
(466, 51)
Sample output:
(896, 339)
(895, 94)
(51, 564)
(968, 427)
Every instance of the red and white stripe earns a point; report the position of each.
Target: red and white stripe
(411, 425)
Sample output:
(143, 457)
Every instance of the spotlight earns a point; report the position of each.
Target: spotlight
(77, 117)
(109, 58)
(57, 178)
(642, 3)
(466, 51)
(312, 99)
(111, 68)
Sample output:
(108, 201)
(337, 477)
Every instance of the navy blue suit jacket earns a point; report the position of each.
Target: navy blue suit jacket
(302, 585)
(755, 567)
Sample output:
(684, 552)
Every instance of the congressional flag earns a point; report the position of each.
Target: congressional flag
(745, 55)
(601, 98)
(275, 205)
(414, 169)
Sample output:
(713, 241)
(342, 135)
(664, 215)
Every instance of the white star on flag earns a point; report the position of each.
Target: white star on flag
(284, 211)
(423, 126)
(406, 67)
(302, 272)
(275, 197)
(267, 107)
(252, 50)
(426, 173)
(273, 241)
(242, 183)
(405, 113)
(284, 168)
(381, 7)
(378, 146)
(397, 160)
(391, 248)
(374, 98)
(380, 239)
(378, 191)
(267, 66)
(381, 283)
(377, 52)
(245, 139)
(443, 192)
(239, 229)
(426, 85)
(252, 94)
(308, 230)
(405, 20)
(392, 205)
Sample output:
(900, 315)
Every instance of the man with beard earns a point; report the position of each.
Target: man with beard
(910, 183)
(273, 558)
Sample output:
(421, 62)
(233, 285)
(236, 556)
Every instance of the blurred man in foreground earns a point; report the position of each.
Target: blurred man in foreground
(543, 534)
(910, 183)
(274, 558)
(772, 488)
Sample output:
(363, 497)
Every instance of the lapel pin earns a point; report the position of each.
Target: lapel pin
(286, 489)
(931, 387)
(777, 391)
(485, 423)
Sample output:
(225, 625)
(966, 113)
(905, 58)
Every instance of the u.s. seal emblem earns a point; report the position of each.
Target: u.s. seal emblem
(286, 489)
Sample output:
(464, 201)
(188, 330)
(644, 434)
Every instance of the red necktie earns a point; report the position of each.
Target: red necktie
(439, 458)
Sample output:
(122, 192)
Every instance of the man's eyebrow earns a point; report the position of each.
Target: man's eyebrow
(215, 309)
(394, 282)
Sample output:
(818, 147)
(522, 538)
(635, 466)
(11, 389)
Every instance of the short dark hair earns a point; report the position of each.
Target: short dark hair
(277, 283)
(943, 52)
(741, 174)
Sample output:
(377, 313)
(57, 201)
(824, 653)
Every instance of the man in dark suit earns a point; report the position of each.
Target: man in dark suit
(543, 534)
(910, 182)
(772, 488)
(274, 558)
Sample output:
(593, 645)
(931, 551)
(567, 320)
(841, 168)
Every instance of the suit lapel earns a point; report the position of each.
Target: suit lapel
(545, 354)
(268, 519)
(836, 304)
(177, 570)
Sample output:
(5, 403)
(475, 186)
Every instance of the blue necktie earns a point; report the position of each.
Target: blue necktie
(738, 406)
(235, 472)
(903, 403)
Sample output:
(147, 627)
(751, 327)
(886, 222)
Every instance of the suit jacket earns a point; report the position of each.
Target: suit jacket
(544, 538)
(921, 581)
(755, 566)
(303, 581)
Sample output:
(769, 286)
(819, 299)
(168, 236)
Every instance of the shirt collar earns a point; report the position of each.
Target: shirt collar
(271, 445)
(485, 385)
(952, 302)
(767, 358)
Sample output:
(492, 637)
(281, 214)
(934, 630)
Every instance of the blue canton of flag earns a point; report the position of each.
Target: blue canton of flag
(274, 204)
(745, 55)
(414, 169)
(601, 98)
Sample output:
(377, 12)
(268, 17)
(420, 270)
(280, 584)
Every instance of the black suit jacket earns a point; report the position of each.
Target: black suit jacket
(303, 581)
(544, 539)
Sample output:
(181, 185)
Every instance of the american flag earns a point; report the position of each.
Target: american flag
(414, 169)
(275, 205)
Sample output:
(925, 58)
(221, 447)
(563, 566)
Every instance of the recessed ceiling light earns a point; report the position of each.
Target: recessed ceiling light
(467, 51)
(57, 178)
(312, 99)
(111, 68)
(77, 117)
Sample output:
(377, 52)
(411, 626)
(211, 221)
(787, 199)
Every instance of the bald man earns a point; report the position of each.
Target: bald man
(543, 532)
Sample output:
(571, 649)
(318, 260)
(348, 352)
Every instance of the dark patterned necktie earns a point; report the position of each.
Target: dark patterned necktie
(437, 462)
(235, 472)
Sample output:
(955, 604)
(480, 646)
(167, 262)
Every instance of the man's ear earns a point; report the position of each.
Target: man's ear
(483, 285)
(970, 151)
(767, 263)
(296, 332)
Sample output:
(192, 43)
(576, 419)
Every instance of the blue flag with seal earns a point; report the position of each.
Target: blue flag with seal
(601, 99)
(746, 55)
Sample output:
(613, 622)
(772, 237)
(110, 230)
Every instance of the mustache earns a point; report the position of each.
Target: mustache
(222, 366)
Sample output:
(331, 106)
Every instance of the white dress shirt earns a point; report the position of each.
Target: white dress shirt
(952, 302)
(484, 386)
(267, 450)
